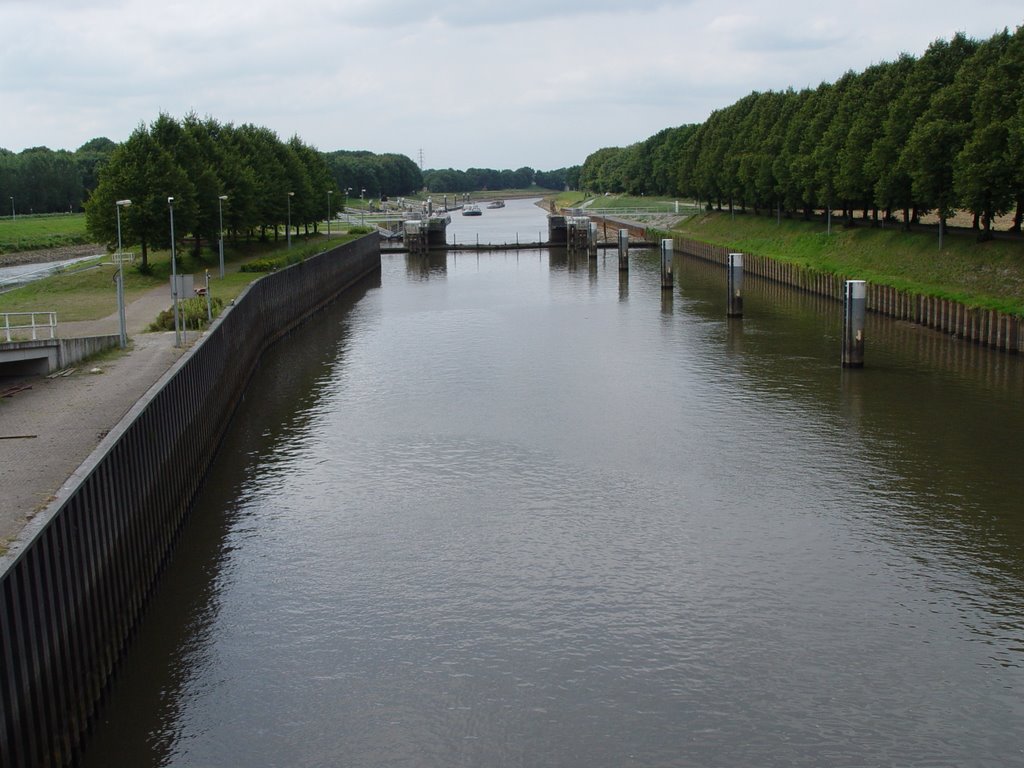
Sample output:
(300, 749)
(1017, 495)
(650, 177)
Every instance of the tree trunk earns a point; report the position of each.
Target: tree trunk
(906, 219)
(986, 232)
(1018, 216)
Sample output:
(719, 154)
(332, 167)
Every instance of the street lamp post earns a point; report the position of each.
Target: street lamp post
(290, 196)
(119, 204)
(220, 213)
(174, 277)
(329, 193)
(14, 216)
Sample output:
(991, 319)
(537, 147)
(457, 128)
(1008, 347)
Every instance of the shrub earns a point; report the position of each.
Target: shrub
(192, 311)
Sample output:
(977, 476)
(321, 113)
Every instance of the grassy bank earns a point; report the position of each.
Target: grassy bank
(988, 275)
(88, 292)
(985, 275)
(30, 233)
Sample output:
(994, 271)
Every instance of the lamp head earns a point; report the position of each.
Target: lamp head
(170, 201)
(123, 203)
(222, 197)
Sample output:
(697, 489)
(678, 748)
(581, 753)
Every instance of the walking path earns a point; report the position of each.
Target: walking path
(48, 430)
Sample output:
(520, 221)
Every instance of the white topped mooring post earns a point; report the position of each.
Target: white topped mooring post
(735, 281)
(854, 311)
(624, 250)
(666, 263)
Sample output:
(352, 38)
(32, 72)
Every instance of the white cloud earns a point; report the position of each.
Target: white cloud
(483, 84)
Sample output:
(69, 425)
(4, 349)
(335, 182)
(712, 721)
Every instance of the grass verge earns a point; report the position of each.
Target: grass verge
(30, 233)
(89, 293)
(988, 275)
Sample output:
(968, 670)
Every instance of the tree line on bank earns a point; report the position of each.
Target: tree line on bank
(480, 179)
(938, 133)
(242, 176)
(41, 180)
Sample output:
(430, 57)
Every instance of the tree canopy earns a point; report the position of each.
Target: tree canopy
(474, 179)
(41, 180)
(244, 174)
(936, 133)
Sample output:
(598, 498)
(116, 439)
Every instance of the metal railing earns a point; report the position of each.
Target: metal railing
(10, 324)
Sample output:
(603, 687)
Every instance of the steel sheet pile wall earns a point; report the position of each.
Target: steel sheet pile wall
(74, 584)
(988, 327)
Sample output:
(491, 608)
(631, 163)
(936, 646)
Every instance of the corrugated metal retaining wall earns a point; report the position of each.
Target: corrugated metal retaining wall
(74, 584)
(989, 327)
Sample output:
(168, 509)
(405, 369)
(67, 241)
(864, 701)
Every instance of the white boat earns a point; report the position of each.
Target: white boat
(497, 204)
(472, 209)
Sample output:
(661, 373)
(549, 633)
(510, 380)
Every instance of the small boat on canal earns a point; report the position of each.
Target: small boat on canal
(472, 209)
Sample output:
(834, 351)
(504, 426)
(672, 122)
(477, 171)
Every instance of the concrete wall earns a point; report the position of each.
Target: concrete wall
(29, 358)
(72, 351)
(47, 355)
(74, 583)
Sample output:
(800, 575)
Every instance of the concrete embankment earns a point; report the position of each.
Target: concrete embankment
(74, 583)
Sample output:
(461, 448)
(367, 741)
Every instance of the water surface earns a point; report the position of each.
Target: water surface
(518, 509)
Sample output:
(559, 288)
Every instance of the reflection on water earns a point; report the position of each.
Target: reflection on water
(502, 509)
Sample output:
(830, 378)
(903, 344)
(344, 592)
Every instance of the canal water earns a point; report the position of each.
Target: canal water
(520, 221)
(517, 509)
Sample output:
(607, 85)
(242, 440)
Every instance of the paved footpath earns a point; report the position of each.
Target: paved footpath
(47, 431)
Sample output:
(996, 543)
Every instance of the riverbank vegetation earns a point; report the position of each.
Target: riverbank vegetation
(483, 180)
(943, 132)
(216, 177)
(87, 291)
(988, 275)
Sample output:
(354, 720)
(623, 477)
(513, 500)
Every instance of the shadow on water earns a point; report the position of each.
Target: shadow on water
(940, 418)
(179, 623)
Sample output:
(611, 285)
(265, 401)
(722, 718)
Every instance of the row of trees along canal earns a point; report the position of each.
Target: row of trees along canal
(267, 182)
(938, 133)
(196, 161)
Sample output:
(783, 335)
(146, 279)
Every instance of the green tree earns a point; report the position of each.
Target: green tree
(144, 172)
(985, 181)
(886, 163)
(867, 105)
(89, 158)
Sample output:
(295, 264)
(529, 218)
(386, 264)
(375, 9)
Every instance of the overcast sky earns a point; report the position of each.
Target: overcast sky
(488, 83)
